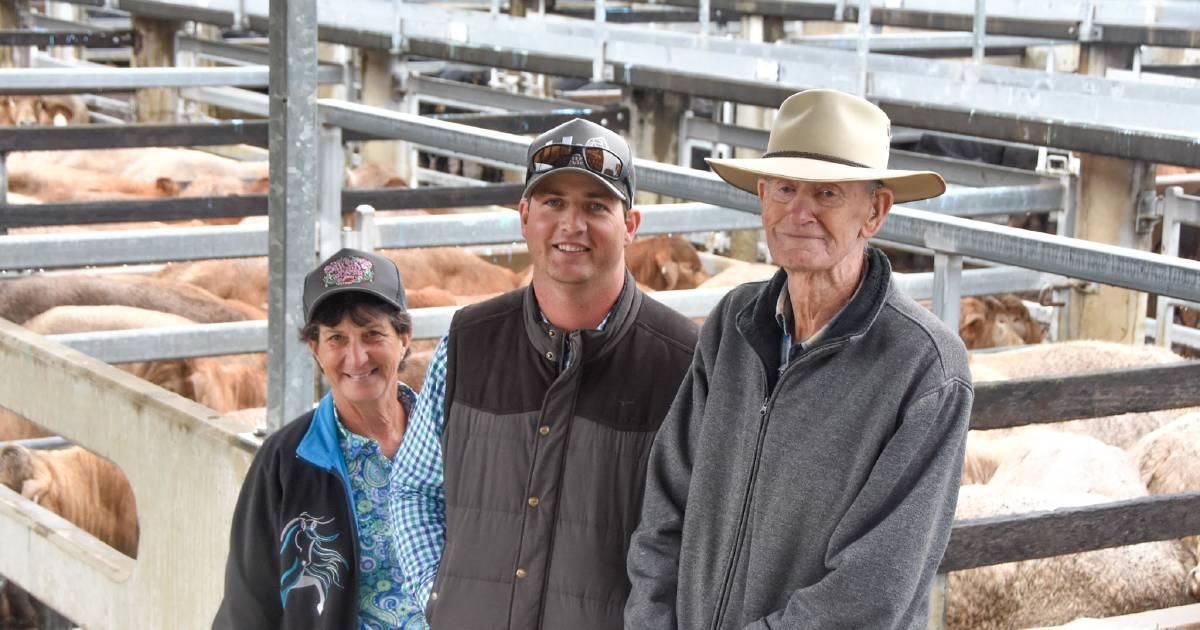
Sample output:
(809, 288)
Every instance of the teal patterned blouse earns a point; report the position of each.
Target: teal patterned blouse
(382, 602)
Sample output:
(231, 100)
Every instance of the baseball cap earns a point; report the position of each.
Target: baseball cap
(585, 147)
(353, 270)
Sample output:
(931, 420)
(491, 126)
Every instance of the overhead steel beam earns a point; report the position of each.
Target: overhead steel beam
(537, 122)
(926, 44)
(242, 54)
(100, 79)
(1168, 24)
(252, 132)
(86, 39)
(1095, 115)
(483, 98)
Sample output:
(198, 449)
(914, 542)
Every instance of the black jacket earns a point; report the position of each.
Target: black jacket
(293, 552)
(544, 463)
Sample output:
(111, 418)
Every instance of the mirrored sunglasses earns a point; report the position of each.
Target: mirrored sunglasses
(598, 160)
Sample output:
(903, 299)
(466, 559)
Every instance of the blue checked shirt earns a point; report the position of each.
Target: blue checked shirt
(382, 601)
(419, 501)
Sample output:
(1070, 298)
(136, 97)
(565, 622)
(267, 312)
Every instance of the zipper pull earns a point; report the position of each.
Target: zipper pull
(763, 410)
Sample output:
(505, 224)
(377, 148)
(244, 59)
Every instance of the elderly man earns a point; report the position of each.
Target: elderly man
(807, 472)
(541, 406)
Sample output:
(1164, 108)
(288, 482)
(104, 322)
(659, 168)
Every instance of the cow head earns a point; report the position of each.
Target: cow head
(23, 471)
(22, 110)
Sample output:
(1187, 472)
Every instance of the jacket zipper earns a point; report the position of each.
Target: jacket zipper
(740, 535)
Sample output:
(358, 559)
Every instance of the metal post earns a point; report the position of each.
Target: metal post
(155, 48)
(3, 184)
(1165, 312)
(947, 287)
(704, 15)
(977, 49)
(864, 44)
(331, 167)
(601, 41)
(368, 234)
(293, 198)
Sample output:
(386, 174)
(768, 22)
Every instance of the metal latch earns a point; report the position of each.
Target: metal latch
(1149, 211)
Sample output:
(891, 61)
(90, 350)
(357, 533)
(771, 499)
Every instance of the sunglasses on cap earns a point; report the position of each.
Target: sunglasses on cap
(598, 160)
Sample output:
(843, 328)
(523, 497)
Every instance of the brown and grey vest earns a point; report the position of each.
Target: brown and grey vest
(544, 467)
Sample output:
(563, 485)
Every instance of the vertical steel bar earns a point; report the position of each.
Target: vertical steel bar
(292, 201)
(368, 233)
(3, 184)
(601, 15)
(330, 168)
(1165, 311)
(947, 287)
(864, 44)
(704, 17)
(980, 31)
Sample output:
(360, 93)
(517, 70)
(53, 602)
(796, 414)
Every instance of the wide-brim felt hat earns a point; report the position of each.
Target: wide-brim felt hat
(829, 136)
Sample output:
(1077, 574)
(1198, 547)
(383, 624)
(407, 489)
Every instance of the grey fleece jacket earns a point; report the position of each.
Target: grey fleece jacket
(819, 496)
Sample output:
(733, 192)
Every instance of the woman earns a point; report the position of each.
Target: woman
(312, 538)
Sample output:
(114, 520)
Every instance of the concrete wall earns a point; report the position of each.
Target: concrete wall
(185, 464)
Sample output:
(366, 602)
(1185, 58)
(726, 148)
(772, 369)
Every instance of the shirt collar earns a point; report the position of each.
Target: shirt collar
(352, 443)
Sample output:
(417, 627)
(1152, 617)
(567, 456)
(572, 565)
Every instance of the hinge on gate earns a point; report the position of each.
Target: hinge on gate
(1149, 211)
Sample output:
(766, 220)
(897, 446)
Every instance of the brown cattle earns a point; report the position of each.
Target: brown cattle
(62, 109)
(224, 383)
(1169, 461)
(23, 298)
(242, 279)
(374, 176)
(1075, 357)
(78, 485)
(16, 427)
(19, 111)
(740, 273)
(453, 269)
(63, 184)
(665, 263)
(997, 321)
(1056, 590)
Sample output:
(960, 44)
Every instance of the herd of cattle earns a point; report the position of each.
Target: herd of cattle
(1006, 471)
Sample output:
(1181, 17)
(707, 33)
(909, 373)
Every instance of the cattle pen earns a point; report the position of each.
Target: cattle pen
(185, 462)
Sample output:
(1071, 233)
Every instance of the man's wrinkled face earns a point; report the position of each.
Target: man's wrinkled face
(815, 226)
(576, 228)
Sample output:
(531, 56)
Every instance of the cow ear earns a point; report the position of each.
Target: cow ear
(167, 186)
(971, 328)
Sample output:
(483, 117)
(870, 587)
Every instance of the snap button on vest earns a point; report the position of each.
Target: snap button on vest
(544, 430)
(550, 355)
(551, 332)
(534, 501)
(521, 573)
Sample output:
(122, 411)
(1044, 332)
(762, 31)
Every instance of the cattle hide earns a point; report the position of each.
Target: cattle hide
(78, 485)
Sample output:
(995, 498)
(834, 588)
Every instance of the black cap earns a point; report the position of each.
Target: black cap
(353, 270)
(584, 133)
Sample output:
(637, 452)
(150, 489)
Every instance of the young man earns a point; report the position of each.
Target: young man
(540, 406)
(807, 473)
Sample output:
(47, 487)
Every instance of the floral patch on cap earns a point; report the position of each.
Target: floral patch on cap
(348, 270)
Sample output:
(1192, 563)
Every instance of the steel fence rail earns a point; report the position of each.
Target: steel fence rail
(100, 79)
(1075, 258)
(127, 346)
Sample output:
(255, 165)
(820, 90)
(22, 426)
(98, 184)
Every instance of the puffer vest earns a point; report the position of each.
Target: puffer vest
(545, 464)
